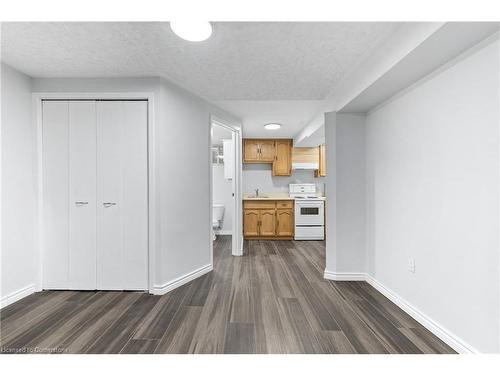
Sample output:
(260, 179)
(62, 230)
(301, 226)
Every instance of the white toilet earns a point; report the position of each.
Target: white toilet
(217, 215)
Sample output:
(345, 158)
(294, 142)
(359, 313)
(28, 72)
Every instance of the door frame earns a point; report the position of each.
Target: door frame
(237, 236)
(37, 99)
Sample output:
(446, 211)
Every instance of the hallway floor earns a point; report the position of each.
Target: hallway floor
(272, 300)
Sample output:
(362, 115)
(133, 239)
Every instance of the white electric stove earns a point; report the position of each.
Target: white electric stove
(309, 212)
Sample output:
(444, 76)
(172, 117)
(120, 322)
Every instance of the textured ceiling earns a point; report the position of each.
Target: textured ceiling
(241, 61)
(293, 115)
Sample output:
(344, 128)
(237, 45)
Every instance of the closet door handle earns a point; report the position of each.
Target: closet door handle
(81, 203)
(108, 204)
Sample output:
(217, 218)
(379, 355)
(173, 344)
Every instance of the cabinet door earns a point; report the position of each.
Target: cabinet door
(267, 151)
(282, 166)
(250, 223)
(267, 223)
(284, 224)
(250, 151)
(322, 161)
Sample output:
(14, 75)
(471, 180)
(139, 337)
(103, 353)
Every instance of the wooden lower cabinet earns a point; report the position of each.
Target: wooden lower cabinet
(284, 223)
(268, 219)
(267, 223)
(251, 223)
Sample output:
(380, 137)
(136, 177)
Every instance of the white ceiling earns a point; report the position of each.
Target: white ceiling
(293, 115)
(241, 61)
(316, 138)
(441, 47)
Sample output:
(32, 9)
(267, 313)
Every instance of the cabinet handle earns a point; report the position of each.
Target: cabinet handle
(109, 204)
(81, 203)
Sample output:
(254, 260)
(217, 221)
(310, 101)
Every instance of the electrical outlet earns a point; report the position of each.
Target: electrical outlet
(411, 265)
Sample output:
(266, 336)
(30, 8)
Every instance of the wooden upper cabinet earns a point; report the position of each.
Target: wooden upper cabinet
(275, 151)
(284, 222)
(267, 223)
(250, 223)
(282, 165)
(258, 151)
(267, 151)
(321, 172)
(251, 152)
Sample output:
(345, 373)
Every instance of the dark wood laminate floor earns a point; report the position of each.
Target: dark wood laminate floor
(272, 300)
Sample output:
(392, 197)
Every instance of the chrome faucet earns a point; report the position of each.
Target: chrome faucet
(256, 192)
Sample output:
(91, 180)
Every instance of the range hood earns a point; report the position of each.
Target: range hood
(312, 166)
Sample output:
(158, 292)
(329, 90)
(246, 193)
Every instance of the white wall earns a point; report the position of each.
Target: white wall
(259, 176)
(222, 190)
(184, 178)
(350, 193)
(432, 195)
(183, 218)
(345, 194)
(18, 194)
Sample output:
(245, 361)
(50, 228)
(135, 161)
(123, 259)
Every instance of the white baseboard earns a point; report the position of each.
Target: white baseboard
(449, 338)
(223, 232)
(171, 285)
(17, 295)
(344, 276)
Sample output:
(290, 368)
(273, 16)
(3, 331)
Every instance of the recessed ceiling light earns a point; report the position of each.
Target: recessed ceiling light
(272, 126)
(193, 31)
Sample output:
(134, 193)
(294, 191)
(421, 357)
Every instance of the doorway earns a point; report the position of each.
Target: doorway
(225, 176)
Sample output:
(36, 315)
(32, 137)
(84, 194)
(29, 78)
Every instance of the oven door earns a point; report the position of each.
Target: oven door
(309, 212)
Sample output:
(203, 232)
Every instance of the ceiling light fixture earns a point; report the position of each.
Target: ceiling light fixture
(194, 31)
(272, 126)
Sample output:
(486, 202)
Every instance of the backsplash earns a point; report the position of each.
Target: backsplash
(259, 176)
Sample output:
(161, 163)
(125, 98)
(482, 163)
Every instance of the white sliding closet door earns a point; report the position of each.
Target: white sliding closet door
(95, 208)
(55, 165)
(122, 242)
(82, 195)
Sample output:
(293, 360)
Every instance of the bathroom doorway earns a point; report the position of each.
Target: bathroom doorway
(225, 176)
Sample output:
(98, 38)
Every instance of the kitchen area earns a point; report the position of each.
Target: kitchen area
(284, 190)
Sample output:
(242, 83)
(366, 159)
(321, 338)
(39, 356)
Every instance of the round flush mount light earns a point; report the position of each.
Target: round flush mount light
(272, 126)
(194, 31)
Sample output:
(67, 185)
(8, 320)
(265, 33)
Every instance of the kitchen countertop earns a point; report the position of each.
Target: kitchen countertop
(270, 197)
(267, 197)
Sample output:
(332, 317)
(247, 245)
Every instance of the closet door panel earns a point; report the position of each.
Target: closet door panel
(82, 191)
(55, 176)
(122, 195)
(110, 257)
(134, 206)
